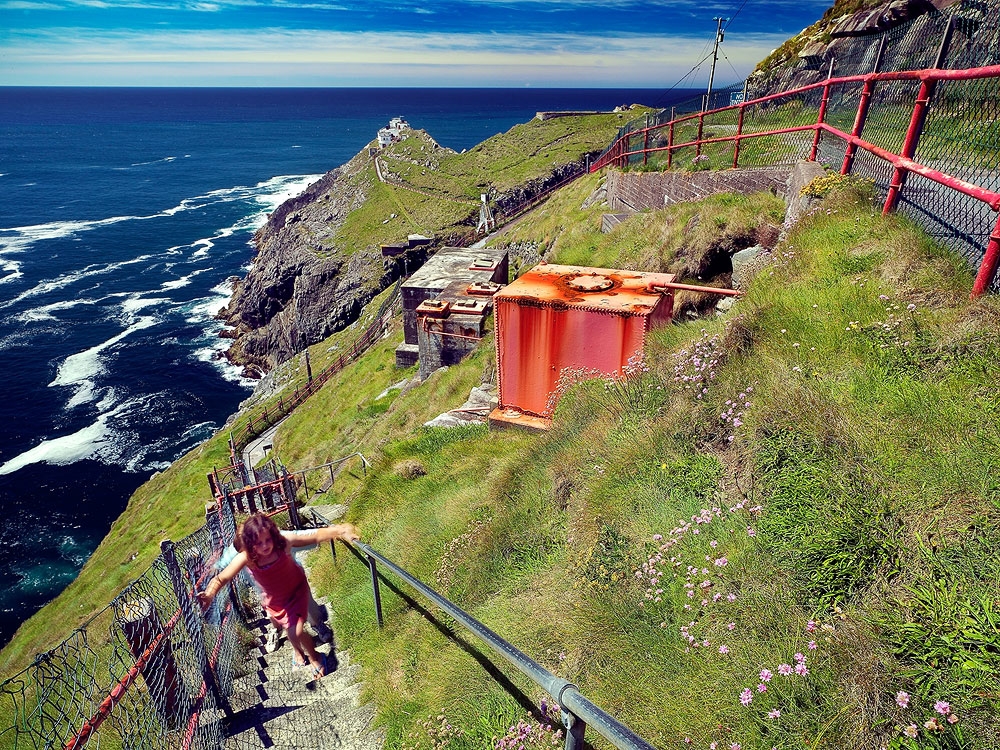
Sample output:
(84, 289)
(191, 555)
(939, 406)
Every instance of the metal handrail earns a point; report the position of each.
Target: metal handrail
(578, 711)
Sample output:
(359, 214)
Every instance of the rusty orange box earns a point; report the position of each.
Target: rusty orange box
(557, 318)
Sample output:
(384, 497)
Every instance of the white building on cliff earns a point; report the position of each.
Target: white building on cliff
(392, 133)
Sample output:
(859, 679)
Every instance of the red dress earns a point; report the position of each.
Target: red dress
(285, 589)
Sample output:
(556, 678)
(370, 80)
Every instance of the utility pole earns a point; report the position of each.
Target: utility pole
(719, 35)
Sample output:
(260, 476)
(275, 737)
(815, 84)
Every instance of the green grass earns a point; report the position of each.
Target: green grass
(855, 507)
(447, 185)
(681, 239)
(873, 521)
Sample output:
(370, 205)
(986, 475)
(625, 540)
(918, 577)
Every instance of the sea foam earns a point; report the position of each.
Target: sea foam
(81, 370)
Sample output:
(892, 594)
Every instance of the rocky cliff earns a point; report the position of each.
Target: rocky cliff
(847, 39)
(312, 275)
(303, 285)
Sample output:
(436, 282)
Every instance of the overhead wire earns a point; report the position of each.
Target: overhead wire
(681, 79)
(704, 58)
(733, 17)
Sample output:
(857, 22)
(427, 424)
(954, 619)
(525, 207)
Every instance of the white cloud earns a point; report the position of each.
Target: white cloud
(316, 58)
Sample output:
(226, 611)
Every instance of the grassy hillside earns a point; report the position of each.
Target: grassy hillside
(435, 191)
(171, 504)
(815, 469)
(805, 485)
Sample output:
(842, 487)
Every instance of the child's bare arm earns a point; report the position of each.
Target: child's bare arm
(346, 531)
(221, 579)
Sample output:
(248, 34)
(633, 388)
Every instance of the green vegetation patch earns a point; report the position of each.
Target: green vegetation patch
(777, 530)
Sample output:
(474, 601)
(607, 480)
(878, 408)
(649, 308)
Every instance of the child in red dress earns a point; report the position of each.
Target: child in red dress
(267, 555)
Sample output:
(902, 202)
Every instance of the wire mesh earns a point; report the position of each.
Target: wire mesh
(958, 134)
(147, 671)
(953, 219)
(961, 135)
(889, 114)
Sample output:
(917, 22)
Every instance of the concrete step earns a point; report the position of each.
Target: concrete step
(280, 706)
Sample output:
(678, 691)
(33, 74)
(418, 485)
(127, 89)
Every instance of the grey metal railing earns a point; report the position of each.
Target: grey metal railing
(578, 711)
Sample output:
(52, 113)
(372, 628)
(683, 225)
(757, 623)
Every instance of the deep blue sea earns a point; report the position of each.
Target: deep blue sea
(123, 212)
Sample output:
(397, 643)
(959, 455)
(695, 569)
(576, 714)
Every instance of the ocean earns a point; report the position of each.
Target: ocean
(124, 213)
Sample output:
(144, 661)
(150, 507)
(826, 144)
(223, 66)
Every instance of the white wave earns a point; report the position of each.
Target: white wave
(266, 196)
(46, 312)
(134, 303)
(80, 370)
(182, 281)
(270, 194)
(205, 245)
(71, 277)
(24, 237)
(11, 268)
(99, 440)
(155, 161)
(212, 353)
(67, 449)
(206, 308)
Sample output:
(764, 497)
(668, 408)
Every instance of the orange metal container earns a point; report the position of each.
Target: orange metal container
(556, 318)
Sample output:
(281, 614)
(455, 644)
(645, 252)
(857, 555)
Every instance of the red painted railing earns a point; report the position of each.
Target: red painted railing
(620, 153)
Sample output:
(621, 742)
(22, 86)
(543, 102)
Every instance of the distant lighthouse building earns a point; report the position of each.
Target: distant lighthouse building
(392, 133)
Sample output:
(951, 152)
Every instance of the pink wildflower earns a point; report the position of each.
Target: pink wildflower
(773, 714)
(723, 649)
(746, 697)
(910, 731)
(784, 669)
(765, 675)
(902, 699)
(811, 626)
(943, 707)
(762, 688)
(800, 658)
(801, 669)
(812, 645)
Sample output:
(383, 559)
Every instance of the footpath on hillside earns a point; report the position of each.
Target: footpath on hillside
(278, 705)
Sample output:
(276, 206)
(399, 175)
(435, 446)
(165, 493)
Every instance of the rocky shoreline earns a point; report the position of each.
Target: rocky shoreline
(300, 289)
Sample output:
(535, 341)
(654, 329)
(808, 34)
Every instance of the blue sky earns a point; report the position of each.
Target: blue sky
(541, 43)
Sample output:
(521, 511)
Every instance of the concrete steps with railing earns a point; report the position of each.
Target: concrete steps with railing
(280, 706)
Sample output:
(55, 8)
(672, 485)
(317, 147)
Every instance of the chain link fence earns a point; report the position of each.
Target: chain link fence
(150, 670)
(958, 136)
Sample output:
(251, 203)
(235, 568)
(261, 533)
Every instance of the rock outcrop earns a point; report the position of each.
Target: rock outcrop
(301, 288)
(847, 37)
(308, 282)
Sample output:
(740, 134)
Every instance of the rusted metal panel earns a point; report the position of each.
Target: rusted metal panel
(556, 318)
